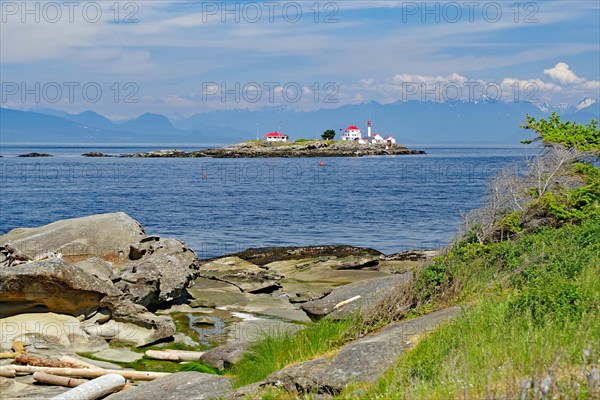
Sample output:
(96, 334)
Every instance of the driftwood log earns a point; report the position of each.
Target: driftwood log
(343, 303)
(89, 373)
(17, 347)
(94, 389)
(7, 372)
(77, 363)
(12, 255)
(174, 355)
(58, 380)
(25, 359)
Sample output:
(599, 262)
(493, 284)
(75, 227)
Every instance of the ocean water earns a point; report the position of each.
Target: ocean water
(220, 206)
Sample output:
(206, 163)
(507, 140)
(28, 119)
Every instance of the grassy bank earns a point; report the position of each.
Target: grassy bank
(274, 353)
(535, 323)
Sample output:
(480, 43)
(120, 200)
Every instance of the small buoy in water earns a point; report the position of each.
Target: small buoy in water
(321, 163)
(205, 176)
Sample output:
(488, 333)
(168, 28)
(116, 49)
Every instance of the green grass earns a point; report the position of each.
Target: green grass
(149, 364)
(274, 353)
(536, 313)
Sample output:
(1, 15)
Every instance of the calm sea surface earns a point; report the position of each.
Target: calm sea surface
(220, 206)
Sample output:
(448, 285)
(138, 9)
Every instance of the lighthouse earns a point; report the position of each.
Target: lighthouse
(369, 128)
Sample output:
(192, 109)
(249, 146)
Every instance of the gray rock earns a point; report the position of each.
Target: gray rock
(108, 236)
(370, 292)
(152, 271)
(246, 276)
(264, 256)
(23, 388)
(182, 385)
(52, 285)
(98, 267)
(161, 274)
(225, 356)
(363, 360)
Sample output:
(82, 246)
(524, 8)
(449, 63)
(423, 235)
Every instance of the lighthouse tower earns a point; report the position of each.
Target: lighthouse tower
(369, 128)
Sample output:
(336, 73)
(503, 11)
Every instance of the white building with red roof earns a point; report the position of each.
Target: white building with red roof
(351, 133)
(276, 137)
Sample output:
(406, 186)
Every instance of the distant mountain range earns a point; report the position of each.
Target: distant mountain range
(413, 122)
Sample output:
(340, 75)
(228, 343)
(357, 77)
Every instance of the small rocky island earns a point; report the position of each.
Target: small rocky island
(98, 298)
(309, 148)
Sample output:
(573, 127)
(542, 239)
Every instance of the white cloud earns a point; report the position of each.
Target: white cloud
(562, 73)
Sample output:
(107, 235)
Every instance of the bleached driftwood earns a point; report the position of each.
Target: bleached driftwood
(174, 355)
(7, 372)
(77, 363)
(25, 359)
(12, 255)
(343, 303)
(17, 348)
(58, 380)
(94, 389)
(89, 373)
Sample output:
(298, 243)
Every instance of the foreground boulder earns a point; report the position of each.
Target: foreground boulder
(54, 285)
(182, 385)
(148, 270)
(108, 236)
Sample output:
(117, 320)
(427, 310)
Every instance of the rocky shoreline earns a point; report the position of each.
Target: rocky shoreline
(114, 294)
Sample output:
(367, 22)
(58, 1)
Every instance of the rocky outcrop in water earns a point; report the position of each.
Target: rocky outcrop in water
(268, 150)
(35, 155)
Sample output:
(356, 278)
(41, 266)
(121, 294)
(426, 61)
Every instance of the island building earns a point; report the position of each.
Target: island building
(276, 137)
(353, 133)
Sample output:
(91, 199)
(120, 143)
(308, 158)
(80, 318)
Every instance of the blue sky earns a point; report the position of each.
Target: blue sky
(350, 52)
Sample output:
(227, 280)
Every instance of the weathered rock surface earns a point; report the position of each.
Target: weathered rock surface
(108, 236)
(182, 385)
(54, 285)
(363, 360)
(162, 273)
(266, 255)
(243, 274)
(370, 292)
(99, 268)
(49, 334)
(23, 388)
(225, 356)
(147, 270)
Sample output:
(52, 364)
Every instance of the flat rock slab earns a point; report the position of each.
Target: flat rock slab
(23, 388)
(123, 355)
(181, 385)
(246, 276)
(252, 328)
(363, 360)
(370, 291)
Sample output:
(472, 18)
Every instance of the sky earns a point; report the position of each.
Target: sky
(179, 58)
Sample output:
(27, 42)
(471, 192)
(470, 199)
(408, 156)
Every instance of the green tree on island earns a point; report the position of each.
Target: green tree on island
(329, 134)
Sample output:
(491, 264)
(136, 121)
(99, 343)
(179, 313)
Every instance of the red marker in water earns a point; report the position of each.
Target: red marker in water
(205, 176)
(321, 163)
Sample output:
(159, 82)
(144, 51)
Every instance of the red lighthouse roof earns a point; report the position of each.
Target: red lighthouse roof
(352, 128)
(275, 134)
